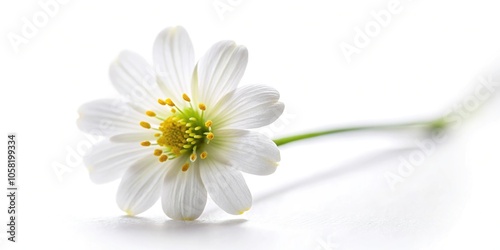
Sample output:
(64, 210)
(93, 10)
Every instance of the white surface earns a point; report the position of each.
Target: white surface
(327, 194)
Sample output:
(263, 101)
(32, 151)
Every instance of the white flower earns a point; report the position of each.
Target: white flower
(183, 129)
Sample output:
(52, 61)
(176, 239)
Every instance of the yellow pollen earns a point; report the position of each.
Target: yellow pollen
(162, 102)
(210, 136)
(186, 97)
(169, 102)
(157, 135)
(173, 135)
(185, 167)
(145, 125)
(163, 158)
(208, 123)
(204, 155)
(193, 157)
(145, 143)
(150, 113)
(202, 106)
(173, 111)
(158, 152)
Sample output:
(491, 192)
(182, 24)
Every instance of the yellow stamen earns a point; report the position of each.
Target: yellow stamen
(145, 125)
(182, 132)
(185, 167)
(173, 135)
(202, 106)
(193, 157)
(204, 155)
(169, 102)
(210, 136)
(208, 123)
(163, 158)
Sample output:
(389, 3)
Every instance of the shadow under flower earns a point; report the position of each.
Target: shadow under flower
(146, 233)
(335, 172)
(125, 222)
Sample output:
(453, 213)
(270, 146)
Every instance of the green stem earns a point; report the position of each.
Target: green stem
(434, 124)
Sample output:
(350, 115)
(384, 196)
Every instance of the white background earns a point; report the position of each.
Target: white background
(328, 193)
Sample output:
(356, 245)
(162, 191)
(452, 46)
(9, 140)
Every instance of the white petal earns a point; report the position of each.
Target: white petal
(219, 71)
(250, 106)
(134, 137)
(248, 151)
(135, 79)
(141, 185)
(226, 186)
(108, 117)
(108, 161)
(173, 57)
(184, 196)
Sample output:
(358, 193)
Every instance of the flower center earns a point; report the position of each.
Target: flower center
(185, 131)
